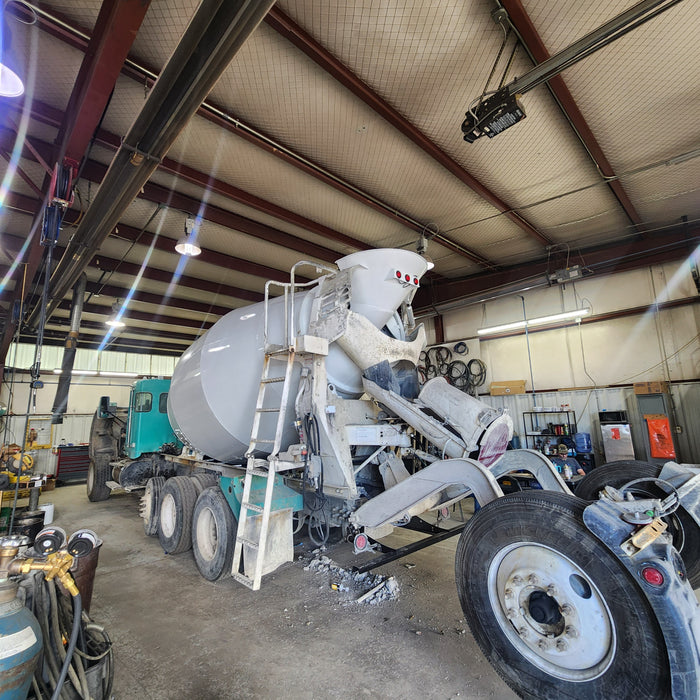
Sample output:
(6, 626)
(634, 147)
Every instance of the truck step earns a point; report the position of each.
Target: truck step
(263, 442)
(272, 380)
(252, 506)
(249, 543)
(259, 472)
(268, 410)
(245, 580)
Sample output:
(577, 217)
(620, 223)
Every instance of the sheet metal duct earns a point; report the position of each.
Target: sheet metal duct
(60, 403)
(216, 32)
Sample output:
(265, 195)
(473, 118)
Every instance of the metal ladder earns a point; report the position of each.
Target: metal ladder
(256, 440)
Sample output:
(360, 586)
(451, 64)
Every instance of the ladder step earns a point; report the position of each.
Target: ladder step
(259, 472)
(245, 580)
(268, 410)
(252, 506)
(249, 543)
(262, 442)
(272, 380)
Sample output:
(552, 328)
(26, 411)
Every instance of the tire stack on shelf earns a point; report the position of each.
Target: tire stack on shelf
(439, 361)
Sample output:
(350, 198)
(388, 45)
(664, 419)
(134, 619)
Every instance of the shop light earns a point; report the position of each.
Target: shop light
(105, 373)
(82, 372)
(187, 245)
(540, 321)
(11, 84)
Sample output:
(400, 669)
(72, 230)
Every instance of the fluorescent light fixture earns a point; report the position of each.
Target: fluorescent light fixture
(84, 372)
(187, 245)
(541, 321)
(105, 373)
(115, 323)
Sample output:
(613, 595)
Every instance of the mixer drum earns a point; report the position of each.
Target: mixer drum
(215, 383)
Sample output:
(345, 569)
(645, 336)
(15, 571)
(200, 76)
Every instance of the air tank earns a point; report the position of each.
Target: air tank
(215, 383)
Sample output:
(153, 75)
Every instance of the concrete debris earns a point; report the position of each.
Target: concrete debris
(372, 588)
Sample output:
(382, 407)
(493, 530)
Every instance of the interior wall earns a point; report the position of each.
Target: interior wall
(591, 366)
(661, 344)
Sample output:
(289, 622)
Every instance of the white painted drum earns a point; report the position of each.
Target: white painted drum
(215, 383)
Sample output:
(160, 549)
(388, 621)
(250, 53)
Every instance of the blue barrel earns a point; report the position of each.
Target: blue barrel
(582, 442)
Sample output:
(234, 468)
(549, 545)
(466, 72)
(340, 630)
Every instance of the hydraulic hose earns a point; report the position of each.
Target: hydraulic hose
(77, 614)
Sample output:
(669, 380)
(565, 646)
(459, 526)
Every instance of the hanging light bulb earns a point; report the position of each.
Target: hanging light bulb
(187, 245)
(11, 84)
(115, 320)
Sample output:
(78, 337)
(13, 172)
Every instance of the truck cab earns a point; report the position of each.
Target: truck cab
(148, 428)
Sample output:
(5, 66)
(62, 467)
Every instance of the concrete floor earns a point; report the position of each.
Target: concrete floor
(177, 635)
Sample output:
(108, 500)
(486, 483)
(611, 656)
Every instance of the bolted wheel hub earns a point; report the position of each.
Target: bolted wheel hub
(551, 612)
(543, 608)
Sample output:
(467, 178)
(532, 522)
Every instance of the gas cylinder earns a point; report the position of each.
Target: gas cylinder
(20, 644)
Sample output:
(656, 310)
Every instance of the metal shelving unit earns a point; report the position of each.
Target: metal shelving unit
(557, 423)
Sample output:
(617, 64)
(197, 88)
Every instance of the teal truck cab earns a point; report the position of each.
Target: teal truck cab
(128, 444)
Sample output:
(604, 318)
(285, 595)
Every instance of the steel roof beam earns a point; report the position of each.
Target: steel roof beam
(132, 314)
(291, 31)
(25, 205)
(77, 37)
(674, 244)
(215, 33)
(534, 45)
(159, 300)
(115, 30)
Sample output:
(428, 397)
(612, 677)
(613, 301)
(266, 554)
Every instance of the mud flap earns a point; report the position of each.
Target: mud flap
(673, 602)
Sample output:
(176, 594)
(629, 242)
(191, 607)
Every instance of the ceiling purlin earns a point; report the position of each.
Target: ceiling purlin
(76, 37)
(157, 300)
(664, 246)
(89, 308)
(118, 24)
(538, 51)
(48, 115)
(25, 205)
(306, 43)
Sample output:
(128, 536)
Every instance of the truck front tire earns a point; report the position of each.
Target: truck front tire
(552, 608)
(97, 477)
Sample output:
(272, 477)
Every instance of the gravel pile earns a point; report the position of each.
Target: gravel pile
(367, 588)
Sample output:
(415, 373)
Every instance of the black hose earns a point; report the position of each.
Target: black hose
(77, 610)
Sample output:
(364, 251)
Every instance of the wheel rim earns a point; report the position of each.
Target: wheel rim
(168, 515)
(207, 534)
(551, 612)
(90, 478)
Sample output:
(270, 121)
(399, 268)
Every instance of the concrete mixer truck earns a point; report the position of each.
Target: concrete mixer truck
(306, 409)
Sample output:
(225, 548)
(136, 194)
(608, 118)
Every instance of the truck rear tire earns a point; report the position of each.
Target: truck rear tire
(97, 477)
(213, 534)
(175, 518)
(552, 608)
(682, 526)
(150, 505)
(204, 481)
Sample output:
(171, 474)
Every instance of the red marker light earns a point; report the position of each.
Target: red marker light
(415, 281)
(652, 576)
(407, 277)
(398, 274)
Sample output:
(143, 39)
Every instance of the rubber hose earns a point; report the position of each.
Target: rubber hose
(59, 634)
(77, 610)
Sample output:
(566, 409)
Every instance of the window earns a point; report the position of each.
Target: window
(143, 401)
(163, 403)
